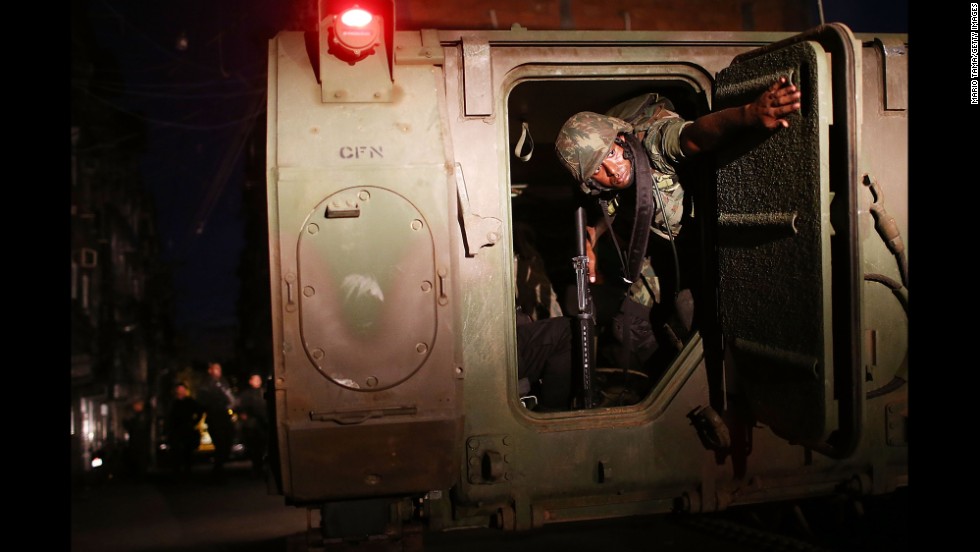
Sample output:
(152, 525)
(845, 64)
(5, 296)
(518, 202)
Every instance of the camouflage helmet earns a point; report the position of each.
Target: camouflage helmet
(583, 142)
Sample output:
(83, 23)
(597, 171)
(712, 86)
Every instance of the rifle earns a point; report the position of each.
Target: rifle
(584, 325)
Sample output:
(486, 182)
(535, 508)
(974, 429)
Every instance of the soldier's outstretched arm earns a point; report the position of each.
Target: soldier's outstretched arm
(768, 111)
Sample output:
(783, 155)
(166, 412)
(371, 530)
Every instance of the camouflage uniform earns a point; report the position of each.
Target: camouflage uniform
(587, 137)
(536, 297)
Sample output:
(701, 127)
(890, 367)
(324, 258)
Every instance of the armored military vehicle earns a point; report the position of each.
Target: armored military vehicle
(399, 164)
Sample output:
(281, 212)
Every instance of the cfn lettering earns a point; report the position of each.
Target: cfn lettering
(361, 152)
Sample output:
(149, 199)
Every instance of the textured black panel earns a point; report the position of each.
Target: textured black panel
(774, 248)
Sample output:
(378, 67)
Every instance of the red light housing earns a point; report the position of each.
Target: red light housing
(357, 31)
(355, 50)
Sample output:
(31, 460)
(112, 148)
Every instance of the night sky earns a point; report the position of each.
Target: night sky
(194, 71)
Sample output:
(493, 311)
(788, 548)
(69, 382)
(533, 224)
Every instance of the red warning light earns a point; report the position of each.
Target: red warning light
(357, 32)
(356, 17)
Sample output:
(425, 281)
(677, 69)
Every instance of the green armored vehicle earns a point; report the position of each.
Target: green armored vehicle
(401, 165)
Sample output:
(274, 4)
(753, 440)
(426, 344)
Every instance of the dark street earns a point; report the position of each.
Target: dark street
(194, 514)
(198, 514)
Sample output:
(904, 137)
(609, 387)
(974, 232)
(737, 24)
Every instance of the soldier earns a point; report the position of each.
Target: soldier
(644, 142)
(217, 398)
(138, 443)
(543, 332)
(182, 419)
(254, 416)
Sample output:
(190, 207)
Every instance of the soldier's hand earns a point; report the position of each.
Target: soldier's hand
(590, 252)
(772, 107)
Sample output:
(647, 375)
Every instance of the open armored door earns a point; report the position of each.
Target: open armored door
(788, 261)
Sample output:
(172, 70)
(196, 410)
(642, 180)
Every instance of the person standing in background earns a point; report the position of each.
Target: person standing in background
(137, 452)
(182, 432)
(254, 416)
(217, 398)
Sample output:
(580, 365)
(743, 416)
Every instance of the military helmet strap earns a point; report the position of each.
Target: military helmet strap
(642, 186)
(632, 262)
(609, 214)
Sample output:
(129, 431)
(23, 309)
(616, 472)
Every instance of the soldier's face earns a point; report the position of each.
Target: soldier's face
(615, 171)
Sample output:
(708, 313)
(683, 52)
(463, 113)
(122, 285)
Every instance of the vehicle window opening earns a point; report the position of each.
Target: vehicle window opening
(629, 360)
